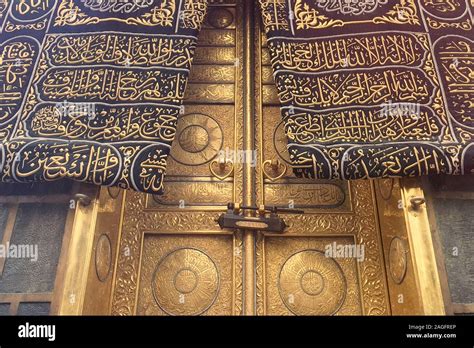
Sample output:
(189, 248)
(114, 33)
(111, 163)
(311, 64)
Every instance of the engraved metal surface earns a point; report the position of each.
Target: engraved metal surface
(176, 261)
(397, 259)
(185, 276)
(312, 284)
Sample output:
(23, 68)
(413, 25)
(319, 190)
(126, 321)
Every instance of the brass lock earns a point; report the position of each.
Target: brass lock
(267, 219)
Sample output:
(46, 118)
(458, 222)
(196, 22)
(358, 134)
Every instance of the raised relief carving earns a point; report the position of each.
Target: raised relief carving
(307, 229)
(215, 93)
(199, 139)
(185, 282)
(189, 194)
(305, 195)
(302, 280)
(103, 257)
(398, 260)
(220, 18)
(312, 284)
(137, 220)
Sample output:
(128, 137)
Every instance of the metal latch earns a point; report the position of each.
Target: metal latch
(267, 219)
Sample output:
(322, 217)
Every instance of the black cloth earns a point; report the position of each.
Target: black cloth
(92, 90)
(374, 88)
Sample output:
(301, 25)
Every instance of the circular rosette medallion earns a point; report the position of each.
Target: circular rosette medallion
(220, 18)
(198, 140)
(185, 282)
(312, 284)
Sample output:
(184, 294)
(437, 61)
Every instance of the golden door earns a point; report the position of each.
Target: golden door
(166, 255)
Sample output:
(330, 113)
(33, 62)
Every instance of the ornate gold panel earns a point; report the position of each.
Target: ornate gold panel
(210, 123)
(270, 95)
(221, 17)
(100, 278)
(210, 73)
(267, 75)
(360, 226)
(211, 93)
(199, 194)
(186, 275)
(172, 257)
(221, 37)
(169, 256)
(214, 55)
(320, 195)
(266, 60)
(299, 279)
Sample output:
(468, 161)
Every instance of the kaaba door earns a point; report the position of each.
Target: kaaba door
(166, 255)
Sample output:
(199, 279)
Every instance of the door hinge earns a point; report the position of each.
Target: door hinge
(266, 221)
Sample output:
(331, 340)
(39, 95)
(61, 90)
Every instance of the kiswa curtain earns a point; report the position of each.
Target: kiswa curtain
(374, 88)
(92, 90)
